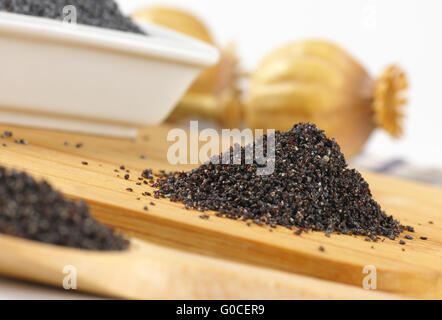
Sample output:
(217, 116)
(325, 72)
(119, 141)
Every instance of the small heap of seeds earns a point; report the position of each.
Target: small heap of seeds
(101, 13)
(33, 210)
(311, 188)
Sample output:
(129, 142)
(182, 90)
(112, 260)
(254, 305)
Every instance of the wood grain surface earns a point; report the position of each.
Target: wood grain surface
(413, 269)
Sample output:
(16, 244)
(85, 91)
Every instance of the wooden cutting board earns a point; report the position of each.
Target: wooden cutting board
(413, 269)
(149, 271)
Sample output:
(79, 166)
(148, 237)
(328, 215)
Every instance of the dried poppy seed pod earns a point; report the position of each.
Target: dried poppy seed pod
(213, 95)
(318, 81)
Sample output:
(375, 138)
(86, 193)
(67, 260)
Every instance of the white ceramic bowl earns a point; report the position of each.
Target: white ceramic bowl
(89, 79)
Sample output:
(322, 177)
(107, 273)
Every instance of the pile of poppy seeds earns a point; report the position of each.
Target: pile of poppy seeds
(33, 210)
(98, 13)
(311, 188)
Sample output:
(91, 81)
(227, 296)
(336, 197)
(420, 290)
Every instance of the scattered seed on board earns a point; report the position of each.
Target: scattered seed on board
(321, 248)
(79, 145)
(423, 238)
(145, 208)
(402, 242)
(126, 176)
(85, 163)
(408, 237)
(130, 189)
(7, 134)
(21, 141)
(204, 216)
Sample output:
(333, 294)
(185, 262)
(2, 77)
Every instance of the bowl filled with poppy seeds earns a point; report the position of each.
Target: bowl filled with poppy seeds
(93, 68)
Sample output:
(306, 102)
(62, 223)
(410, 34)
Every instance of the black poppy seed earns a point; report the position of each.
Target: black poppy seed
(79, 145)
(138, 183)
(305, 190)
(35, 211)
(85, 163)
(423, 238)
(115, 170)
(408, 237)
(147, 174)
(122, 167)
(402, 242)
(403, 249)
(409, 228)
(103, 13)
(145, 208)
(152, 203)
(430, 222)
(8, 134)
(126, 176)
(321, 248)
(204, 216)
(21, 141)
(130, 189)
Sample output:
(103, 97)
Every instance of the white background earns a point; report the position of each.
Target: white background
(376, 33)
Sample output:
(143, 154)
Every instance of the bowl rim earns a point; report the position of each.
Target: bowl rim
(159, 42)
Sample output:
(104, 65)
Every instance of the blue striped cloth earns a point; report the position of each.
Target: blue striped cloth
(399, 168)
